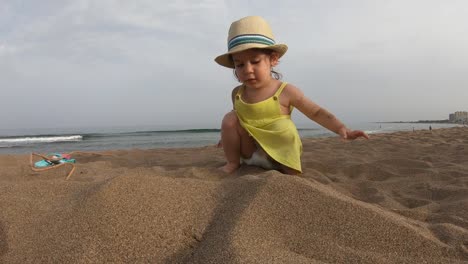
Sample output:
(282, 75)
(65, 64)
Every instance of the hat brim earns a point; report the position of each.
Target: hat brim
(226, 60)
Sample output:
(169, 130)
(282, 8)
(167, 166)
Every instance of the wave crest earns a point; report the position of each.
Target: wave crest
(38, 139)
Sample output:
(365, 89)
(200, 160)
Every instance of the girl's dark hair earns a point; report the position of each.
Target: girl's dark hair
(274, 73)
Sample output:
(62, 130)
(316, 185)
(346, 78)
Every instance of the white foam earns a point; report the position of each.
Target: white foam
(45, 139)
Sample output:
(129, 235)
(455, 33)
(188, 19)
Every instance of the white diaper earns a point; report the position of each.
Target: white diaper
(260, 160)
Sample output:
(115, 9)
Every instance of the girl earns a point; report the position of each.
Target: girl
(259, 131)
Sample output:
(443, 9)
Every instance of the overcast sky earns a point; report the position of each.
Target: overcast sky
(150, 63)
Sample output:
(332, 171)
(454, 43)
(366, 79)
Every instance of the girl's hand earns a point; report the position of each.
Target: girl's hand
(352, 134)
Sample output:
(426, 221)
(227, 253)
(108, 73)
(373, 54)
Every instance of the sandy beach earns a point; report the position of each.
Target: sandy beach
(396, 198)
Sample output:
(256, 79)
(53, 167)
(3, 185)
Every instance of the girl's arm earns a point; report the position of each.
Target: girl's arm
(318, 114)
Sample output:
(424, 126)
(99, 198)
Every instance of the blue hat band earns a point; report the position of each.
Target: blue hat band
(250, 38)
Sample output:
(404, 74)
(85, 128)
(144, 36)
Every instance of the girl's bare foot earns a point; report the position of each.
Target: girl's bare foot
(230, 167)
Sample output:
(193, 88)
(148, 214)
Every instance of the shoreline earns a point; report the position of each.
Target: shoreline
(421, 122)
(62, 143)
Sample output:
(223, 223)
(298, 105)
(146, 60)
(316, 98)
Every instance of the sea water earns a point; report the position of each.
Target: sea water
(20, 141)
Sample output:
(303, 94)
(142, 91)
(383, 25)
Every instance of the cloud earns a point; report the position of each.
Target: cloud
(138, 59)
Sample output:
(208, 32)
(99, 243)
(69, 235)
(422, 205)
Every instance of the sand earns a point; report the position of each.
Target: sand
(396, 198)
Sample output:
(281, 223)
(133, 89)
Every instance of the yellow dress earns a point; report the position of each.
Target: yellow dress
(273, 131)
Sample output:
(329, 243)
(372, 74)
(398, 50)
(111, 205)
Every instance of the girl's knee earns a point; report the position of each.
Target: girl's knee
(230, 121)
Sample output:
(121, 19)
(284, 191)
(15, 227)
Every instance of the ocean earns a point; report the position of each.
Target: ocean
(21, 141)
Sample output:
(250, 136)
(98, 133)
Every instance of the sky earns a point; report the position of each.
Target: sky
(82, 63)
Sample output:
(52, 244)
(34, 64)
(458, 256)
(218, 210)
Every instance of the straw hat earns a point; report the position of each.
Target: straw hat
(246, 33)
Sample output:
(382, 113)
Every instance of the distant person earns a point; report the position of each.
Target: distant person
(430, 128)
(259, 131)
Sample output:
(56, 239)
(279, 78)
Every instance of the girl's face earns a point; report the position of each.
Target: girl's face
(253, 67)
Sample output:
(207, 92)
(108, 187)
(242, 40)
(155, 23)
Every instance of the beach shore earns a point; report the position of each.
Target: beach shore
(396, 198)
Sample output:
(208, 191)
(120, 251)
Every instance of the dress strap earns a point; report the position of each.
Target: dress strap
(239, 92)
(280, 89)
(278, 92)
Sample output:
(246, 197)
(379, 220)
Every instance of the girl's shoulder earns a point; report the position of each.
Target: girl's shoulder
(290, 86)
(291, 94)
(291, 89)
(235, 91)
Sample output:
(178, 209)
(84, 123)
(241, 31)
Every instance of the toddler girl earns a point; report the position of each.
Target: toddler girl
(259, 131)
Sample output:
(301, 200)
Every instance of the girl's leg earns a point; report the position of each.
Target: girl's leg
(290, 171)
(236, 142)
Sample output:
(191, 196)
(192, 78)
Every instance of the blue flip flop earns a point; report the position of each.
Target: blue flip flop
(47, 163)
